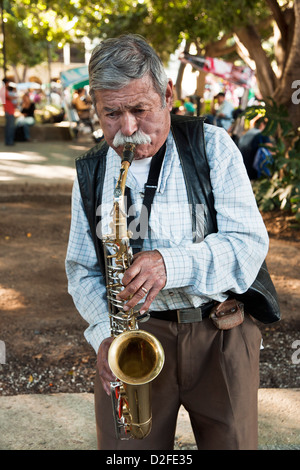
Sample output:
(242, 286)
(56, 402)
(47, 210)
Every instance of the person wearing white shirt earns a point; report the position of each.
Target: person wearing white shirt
(222, 115)
(212, 372)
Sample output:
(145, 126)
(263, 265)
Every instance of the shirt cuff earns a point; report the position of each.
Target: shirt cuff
(178, 267)
(95, 334)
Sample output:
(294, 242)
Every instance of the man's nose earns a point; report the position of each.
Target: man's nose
(129, 124)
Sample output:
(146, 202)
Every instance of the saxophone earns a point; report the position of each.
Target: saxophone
(135, 356)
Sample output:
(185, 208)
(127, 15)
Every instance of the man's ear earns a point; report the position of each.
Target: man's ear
(169, 95)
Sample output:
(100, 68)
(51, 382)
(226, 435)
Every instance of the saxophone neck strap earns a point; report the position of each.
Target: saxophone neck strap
(141, 228)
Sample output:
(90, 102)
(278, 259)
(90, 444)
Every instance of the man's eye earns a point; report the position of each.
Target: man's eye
(112, 114)
(139, 111)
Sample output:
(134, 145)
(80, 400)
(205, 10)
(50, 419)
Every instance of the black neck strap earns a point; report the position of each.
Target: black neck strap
(141, 229)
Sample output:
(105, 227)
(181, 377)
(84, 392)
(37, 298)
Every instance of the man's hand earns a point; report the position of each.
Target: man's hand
(148, 272)
(105, 374)
(146, 276)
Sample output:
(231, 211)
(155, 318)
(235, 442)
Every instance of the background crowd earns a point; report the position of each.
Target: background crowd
(24, 110)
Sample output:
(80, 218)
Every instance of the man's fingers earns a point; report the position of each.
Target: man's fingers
(106, 385)
(150, 297)
(137, 297)
(105, 374)
(152, 290)
(131, 273)
(134, 288)
(146, 272)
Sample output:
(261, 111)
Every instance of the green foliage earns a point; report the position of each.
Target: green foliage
(164, 24)
(30, 53)
(282, 190)
(277, 117)
(32, 27)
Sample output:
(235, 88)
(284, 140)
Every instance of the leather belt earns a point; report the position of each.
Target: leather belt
(184, 315)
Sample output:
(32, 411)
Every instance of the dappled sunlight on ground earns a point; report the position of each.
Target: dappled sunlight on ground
(18, 168)
(10, 299)
(29, 157)
(40, 161)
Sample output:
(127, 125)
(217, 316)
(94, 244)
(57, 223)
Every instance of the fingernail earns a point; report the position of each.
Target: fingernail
(125, 308)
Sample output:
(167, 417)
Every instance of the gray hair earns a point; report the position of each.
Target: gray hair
(115, 62)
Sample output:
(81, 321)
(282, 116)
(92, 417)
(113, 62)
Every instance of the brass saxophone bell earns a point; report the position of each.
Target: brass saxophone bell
(136, 358)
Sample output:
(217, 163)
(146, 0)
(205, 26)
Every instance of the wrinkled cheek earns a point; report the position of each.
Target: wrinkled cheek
(109, 132)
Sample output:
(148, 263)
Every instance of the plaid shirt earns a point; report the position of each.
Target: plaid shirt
(196, 272)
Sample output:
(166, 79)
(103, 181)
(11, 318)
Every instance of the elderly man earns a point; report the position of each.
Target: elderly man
(187, 264)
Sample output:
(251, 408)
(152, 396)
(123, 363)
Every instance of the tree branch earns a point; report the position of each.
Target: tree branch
(279, 18)
(215, 49)
(181, 72)
(291, 71)
(265, 75)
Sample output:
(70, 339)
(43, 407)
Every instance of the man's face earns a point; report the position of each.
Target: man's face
(135, 107)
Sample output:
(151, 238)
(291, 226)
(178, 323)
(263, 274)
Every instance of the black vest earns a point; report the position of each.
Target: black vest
(188, 133)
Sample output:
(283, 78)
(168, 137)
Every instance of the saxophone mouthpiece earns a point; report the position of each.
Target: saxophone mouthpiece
(128, 152)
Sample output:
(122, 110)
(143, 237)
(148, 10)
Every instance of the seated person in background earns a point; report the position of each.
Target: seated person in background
(9, 99)
(26, 120)
(222, 116)
(83, 105)
(189, 107)
(250, 142)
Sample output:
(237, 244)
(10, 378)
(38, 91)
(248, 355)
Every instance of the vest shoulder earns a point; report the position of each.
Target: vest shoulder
(183, 120)
(192, 123)
(96, 152)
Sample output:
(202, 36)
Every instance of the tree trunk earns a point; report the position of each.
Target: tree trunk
(284, 93)
(24, 73)
(283, 27)
(201, 83)
(181, 72)
(20, 73)
(265, 75)
(178, 84)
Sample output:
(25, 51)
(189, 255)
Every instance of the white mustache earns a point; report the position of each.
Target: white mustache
(138, 138)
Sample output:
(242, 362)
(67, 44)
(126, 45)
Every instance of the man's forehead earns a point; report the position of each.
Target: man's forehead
(125, 99)
(138, 88)
(131, 104)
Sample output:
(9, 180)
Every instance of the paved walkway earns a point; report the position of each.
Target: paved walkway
(41, 162)
(66, 421)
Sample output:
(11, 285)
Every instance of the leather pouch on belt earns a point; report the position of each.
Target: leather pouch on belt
(228, 314)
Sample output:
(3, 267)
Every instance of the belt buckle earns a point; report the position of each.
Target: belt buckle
(189, 315)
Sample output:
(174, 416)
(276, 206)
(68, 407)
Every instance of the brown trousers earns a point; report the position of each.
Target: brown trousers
(214, 374)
